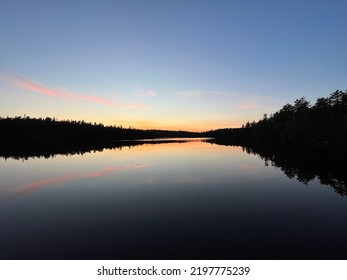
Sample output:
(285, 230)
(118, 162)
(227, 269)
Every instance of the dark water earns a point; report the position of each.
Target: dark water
(191, 200)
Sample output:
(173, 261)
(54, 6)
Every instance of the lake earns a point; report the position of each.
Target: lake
(169, 200)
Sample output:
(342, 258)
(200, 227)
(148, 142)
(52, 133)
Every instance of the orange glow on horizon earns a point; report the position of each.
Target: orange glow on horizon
(197, 126)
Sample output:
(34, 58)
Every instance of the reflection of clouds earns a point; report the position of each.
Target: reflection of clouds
(250, 167)
(150, 180)
(72, 177)
(137, 166)
(194, 180)
(145, 181)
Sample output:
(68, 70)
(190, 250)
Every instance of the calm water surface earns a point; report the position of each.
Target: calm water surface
(192, 200)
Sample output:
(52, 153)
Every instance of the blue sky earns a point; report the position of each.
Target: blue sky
(168, 64)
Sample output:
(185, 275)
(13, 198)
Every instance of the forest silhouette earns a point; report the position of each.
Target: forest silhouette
(300, 124)
(23, 137)
(305, 141)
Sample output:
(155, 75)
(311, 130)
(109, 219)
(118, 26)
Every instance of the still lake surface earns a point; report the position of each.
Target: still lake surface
(191, 200)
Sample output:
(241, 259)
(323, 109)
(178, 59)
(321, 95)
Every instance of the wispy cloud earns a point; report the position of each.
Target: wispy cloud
(144, 94)
(135, 106)
(241, 101)
(200, 93)
(255, 101)
(26, 84)
(249, 105)
(151, 93)
(123, 101)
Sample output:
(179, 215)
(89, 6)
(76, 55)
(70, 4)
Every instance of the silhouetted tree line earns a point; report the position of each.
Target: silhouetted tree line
(325, 122)
(25, 131)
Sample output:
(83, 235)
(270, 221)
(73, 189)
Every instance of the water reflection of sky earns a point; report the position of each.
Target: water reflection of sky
(191, 162)
(161, 195)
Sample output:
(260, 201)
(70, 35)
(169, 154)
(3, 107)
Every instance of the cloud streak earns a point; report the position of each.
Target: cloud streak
(249, 106)
(135, 106)
(123, 101)
(145, 94)
(255, 102)
(35, 87)
(199, 93)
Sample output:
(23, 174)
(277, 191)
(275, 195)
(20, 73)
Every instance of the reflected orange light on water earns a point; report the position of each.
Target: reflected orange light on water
(177, 157)
(177, 145)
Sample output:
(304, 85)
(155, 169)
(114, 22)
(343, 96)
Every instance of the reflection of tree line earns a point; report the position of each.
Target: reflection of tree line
(304, 141)
(328, 164)
(32, 150)
(25, 136)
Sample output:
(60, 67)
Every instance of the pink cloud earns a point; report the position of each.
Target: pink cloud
(191, 93)
(135, 106)
(123, 102)
(249, 105)
(200, 93)
(145, 94)
(35, 87)
(151, 93)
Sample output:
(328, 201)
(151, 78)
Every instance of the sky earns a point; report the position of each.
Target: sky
(163, 64)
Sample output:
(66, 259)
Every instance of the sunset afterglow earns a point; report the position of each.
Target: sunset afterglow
(180, 65)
